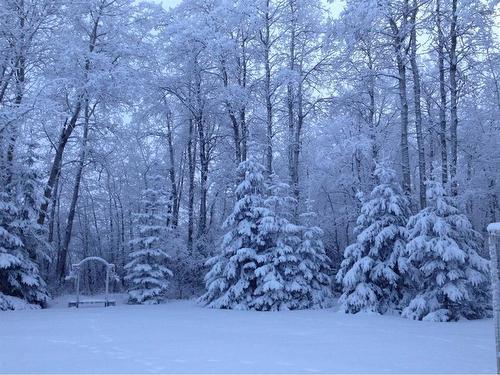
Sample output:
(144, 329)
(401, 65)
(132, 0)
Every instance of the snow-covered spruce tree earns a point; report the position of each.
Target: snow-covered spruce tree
(9, 242)
(19, 273)
(452, 277)
(30, 195)
(21, 238)
(32, 234)
(147, 272)
(231, 281)
(292, 274)
(278, 261)
(267, 262)
(372, 272)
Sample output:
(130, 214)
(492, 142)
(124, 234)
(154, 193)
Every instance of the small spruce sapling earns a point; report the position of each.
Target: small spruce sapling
(147, 272)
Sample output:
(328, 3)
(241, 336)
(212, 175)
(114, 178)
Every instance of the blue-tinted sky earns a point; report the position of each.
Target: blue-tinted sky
(336, 7)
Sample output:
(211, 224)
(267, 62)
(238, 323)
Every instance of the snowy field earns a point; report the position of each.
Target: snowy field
(183, 337)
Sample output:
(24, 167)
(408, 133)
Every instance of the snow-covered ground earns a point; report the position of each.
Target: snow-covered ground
(180, 336)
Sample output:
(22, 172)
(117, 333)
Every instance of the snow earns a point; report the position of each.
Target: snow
(14, 303)
(182, 337)
(494, 228)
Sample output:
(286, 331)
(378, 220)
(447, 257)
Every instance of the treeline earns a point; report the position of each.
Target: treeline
(109, 105)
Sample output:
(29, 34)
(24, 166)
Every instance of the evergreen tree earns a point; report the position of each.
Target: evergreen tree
(267, 262)
(147, 271)
(372, 272)
(9, 242)
(21, 238)
(232, 281)
(19, 273)
(293, 269)
(276, 284)
(313, 268)
(452, 277)
(30, 196)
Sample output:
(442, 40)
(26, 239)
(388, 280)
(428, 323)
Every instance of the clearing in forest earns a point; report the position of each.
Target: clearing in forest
(181, 337)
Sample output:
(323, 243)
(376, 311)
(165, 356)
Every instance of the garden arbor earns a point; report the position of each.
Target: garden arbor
(75, 274)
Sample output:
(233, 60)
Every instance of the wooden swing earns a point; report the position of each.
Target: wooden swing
(75, 274)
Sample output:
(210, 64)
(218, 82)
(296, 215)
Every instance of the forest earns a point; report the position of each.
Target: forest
(256, 155)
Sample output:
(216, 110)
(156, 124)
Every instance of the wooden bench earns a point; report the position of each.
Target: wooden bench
(91, 302)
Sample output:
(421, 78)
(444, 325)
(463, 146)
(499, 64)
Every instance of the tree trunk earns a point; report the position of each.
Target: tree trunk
(202, 223)
(20, 77)
(430, 135)
(191, 150)
(403, 103)
(242, 81)
(172, 174)
(405, 156)
(291, 102)
(371, 113)
(55, 169)
(442, 94)
(66, 131)
(266, 41)
(232, 117)
(417, 107)
(453, 100)
(111, 231)
(53, 210)
(95, 223)
(61, 264)
(297, 146)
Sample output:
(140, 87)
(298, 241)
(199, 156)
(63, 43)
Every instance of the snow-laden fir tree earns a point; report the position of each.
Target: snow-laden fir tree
(147, 272)
(9, 243)
(21, 238)
(267, 262)
(30, 187)
(231, 281)
(372, 272)
(29, 197)
(278, 261)
(293, 269)
(19, 272)
(452, 277)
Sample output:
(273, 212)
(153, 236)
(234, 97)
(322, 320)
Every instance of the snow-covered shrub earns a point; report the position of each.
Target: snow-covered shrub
(188, 268)
(15, 303)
